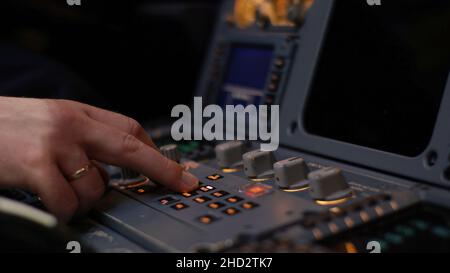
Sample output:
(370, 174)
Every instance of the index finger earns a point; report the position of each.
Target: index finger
(110, 145)
(119, 121)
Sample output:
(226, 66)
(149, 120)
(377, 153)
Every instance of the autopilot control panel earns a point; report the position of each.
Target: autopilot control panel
(364, 156)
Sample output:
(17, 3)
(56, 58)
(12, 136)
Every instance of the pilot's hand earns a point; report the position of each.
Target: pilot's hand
(43, 143)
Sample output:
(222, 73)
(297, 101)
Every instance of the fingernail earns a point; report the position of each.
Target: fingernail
(189, 181)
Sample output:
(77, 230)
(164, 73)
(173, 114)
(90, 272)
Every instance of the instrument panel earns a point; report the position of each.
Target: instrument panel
(363, 163)
(320, 191)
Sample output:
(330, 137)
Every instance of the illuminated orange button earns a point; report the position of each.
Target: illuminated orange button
(220, 194)
(179, 206)
(207, 219)
(214, 177)
(249, 205)
(231, 211)
(142, 189)
(234, 199)
(167, 200)
(257, 190)
(202, 199)
(216, 205)
(188, 194)
(206, 188)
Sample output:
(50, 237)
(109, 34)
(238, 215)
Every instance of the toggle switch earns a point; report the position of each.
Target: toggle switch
(258, 164)
(328, 184)
(229, 154)
(291, 173)
(171, 152)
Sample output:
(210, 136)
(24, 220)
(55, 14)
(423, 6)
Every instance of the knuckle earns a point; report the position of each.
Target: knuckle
(37, 157)
(134, 128)
(63, 114)
(65, 117)
(130, 144)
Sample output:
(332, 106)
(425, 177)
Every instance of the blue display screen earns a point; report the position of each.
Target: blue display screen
(245, 79)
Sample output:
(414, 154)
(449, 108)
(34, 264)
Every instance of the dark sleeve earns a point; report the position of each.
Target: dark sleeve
(25, 74)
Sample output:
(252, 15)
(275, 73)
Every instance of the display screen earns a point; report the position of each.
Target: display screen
(382, 74)
(246, 76)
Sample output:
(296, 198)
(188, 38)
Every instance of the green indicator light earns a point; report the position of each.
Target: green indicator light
(405, 230)
(393, 238)
(184, 148)
(421, 225)
(384, 245)
(442, 232)
(193, 144)
(188, 147)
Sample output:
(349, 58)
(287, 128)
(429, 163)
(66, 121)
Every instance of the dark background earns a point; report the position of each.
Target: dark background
(138, 57)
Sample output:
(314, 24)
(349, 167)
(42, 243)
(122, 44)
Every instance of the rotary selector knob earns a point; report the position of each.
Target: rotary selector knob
(130, 176)
(328, 184)
(171, 152)
(258, 164)
(291, 173)
(229, 154)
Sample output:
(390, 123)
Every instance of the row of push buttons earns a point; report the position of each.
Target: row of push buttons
(215, 205)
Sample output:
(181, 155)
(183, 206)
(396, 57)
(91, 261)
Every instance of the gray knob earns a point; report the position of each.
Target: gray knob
(328, 184)
(229, 154)
(130, 177)
(258, 163)
(171, 152)
(129, 174)
(289, 172)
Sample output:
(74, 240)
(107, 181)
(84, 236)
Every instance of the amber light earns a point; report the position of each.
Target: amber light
(259, 179)
(257, 190)
(205, 220)
(350, 248)
(249, 205)
(231, 211)
(219, 194)
(214, 177)
(230, 170)
(296, 190)
(200, 200)
(332, 202)
(138, 184)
